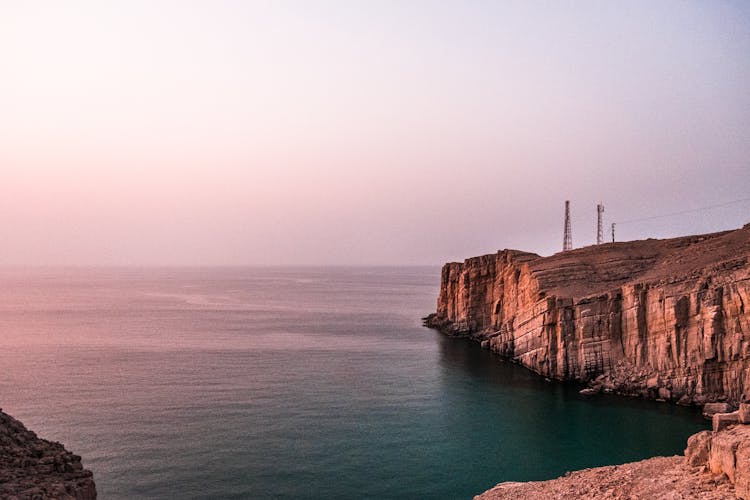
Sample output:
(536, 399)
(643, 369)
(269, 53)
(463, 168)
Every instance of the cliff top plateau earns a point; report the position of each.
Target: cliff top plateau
(36, 469)
(595, 269)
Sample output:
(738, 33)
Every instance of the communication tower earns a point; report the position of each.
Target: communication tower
(568, 238)
(599, 222)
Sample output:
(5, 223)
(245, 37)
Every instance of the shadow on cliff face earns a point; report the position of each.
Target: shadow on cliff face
(466, 356)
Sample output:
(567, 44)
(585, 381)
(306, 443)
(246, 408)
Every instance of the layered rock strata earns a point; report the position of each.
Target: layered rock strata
(664, 319)
(36, 469)
(716, 466)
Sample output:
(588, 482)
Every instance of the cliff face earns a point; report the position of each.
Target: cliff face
(665, 319)
(33, 468)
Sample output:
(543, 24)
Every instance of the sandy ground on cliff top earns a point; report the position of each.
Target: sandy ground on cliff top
(599, 268)
(666, 478)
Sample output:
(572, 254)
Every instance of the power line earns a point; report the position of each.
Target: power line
(709, 207)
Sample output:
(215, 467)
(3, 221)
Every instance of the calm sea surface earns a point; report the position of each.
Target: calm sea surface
(291, 383)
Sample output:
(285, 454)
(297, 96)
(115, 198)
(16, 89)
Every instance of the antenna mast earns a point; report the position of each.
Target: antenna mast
(599, 222)
(568, 238)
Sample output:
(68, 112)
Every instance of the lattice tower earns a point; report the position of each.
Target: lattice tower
(567, 238)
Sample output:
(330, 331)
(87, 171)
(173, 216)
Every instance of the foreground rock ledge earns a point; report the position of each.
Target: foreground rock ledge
(716, 466)
(36, 469)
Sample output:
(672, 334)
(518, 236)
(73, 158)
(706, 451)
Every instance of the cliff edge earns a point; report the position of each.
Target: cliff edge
(663, 319)
(36, 469)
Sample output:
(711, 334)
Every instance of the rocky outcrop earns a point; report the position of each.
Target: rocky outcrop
(663, 319)
(725, 452)
(36, 469)
(716, 466)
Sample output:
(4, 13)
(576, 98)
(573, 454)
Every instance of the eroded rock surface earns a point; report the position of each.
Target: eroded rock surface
(729, 454)
(662, 319)
(36, 469)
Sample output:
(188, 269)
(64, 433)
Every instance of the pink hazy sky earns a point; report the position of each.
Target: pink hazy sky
(381, 132)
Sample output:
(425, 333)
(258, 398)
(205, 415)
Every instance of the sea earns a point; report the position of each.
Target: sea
(304, 383)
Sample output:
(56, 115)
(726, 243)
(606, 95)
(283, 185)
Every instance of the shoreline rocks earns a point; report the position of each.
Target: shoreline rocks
(36, 469)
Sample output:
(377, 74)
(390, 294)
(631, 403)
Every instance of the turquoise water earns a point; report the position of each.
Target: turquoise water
(292, 383)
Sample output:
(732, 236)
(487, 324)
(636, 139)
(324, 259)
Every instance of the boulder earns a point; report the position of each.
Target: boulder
(698, 447)
(665, 393)
(723, 453)
(709, 409)
(685, 400)
(724, 420)
(744, 413)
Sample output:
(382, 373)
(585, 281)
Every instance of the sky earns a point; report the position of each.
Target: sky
(364, 132)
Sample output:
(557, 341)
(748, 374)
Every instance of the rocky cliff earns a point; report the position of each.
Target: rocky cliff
(664, 319)
(37, 469)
